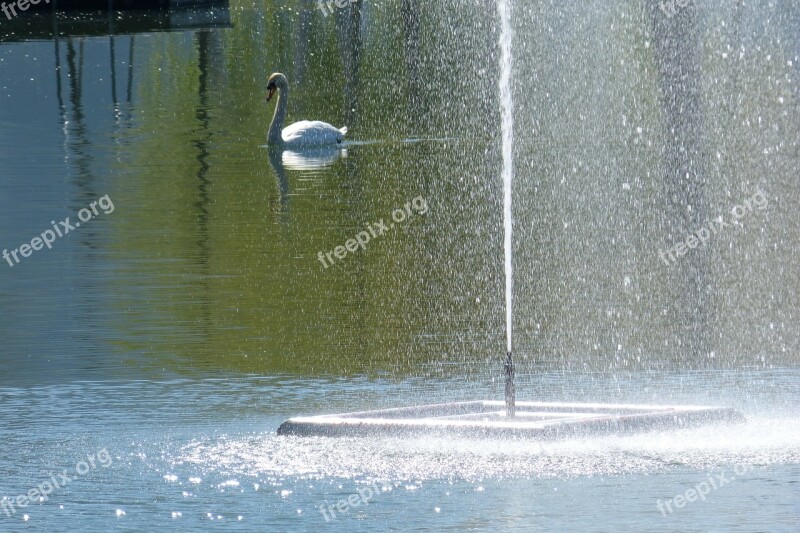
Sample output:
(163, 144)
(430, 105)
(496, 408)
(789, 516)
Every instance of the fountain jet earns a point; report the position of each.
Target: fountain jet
(507, 107)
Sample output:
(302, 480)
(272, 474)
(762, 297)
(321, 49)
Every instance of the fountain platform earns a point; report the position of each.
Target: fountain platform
(488, 419)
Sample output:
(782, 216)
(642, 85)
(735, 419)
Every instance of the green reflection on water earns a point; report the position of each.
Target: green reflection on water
(210, 259)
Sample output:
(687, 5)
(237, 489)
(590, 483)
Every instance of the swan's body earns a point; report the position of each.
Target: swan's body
(311, 133)
(303, 133)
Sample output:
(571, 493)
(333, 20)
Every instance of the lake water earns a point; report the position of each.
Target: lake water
(170, 333)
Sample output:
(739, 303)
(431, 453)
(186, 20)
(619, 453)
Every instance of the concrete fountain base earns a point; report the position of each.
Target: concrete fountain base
(487, 419)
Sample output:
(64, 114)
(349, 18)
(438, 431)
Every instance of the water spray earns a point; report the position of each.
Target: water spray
(494, 418)
(507, 105)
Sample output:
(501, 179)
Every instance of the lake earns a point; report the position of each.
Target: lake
(172, 289)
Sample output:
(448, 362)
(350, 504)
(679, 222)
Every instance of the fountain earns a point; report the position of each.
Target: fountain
(507, 104)
(486, 418)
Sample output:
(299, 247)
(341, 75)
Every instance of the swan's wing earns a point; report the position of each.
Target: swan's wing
(312, 132)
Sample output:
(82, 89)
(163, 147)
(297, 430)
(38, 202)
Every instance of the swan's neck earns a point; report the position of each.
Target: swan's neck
(274, 136)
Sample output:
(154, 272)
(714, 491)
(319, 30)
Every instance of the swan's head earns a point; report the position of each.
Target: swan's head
(275, 82)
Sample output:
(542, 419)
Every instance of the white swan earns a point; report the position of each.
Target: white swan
(303, 133)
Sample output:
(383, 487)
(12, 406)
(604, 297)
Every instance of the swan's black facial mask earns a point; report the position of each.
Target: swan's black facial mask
(271, 88)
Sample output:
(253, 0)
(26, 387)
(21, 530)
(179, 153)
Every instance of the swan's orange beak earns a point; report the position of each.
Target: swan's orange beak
(271, 92)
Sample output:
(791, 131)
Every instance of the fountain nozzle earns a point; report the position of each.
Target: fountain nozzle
(509, 371)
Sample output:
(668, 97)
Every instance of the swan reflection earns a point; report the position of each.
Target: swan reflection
(309, 161)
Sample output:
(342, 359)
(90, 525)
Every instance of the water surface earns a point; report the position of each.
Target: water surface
(178, 330)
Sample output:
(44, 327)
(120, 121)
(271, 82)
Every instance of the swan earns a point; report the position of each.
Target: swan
(303, 133)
